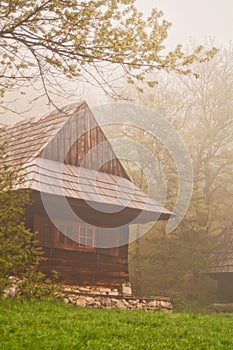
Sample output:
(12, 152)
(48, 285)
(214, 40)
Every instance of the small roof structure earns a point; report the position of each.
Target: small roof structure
(29, 138)
(221, 261)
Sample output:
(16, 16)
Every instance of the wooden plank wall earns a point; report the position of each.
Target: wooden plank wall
(78, 152)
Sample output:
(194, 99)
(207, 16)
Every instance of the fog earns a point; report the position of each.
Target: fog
(197, 21)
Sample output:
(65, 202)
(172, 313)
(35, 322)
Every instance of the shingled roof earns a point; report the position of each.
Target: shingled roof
(221, 260)
(28, 139)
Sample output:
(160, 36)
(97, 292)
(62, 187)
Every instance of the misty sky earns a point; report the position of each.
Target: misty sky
(198, 20)
(195, 19)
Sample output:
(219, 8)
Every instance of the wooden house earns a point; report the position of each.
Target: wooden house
(221, 266)
(81, 217)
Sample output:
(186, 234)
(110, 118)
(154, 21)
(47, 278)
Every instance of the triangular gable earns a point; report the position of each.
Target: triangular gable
(81, 142)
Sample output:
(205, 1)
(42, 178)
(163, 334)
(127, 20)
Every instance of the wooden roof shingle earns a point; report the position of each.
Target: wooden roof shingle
(51, 177)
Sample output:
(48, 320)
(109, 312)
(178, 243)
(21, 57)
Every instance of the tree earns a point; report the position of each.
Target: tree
(19, 254)
(49, 40)
(209, 133)
(201, 110)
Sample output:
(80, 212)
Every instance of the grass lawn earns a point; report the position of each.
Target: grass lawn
(55, 325)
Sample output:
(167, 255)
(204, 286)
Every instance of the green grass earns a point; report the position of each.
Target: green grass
(54, 325)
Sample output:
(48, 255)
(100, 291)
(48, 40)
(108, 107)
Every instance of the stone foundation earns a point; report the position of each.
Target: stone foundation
(106, 298)
(102, 298)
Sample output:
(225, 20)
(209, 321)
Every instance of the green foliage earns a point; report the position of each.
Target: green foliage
(19, 254)
(36, 286)
(46, 39)
(171, 265)
(44, 325)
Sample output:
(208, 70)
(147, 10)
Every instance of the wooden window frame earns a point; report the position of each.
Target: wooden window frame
(61, 235)
(74, 244)
(93, 236)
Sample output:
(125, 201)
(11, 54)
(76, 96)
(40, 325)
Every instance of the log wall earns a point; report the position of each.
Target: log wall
(78, 264)
(85, 268)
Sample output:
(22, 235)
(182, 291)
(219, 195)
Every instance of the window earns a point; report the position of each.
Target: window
(65, 234)
(86, 236)
(72, 235)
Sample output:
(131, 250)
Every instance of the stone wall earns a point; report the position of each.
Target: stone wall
(106, 298)
(102, 298)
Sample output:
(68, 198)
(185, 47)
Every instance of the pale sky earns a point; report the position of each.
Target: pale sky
(196, 19)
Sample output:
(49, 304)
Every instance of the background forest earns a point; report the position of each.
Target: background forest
(200, 109)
